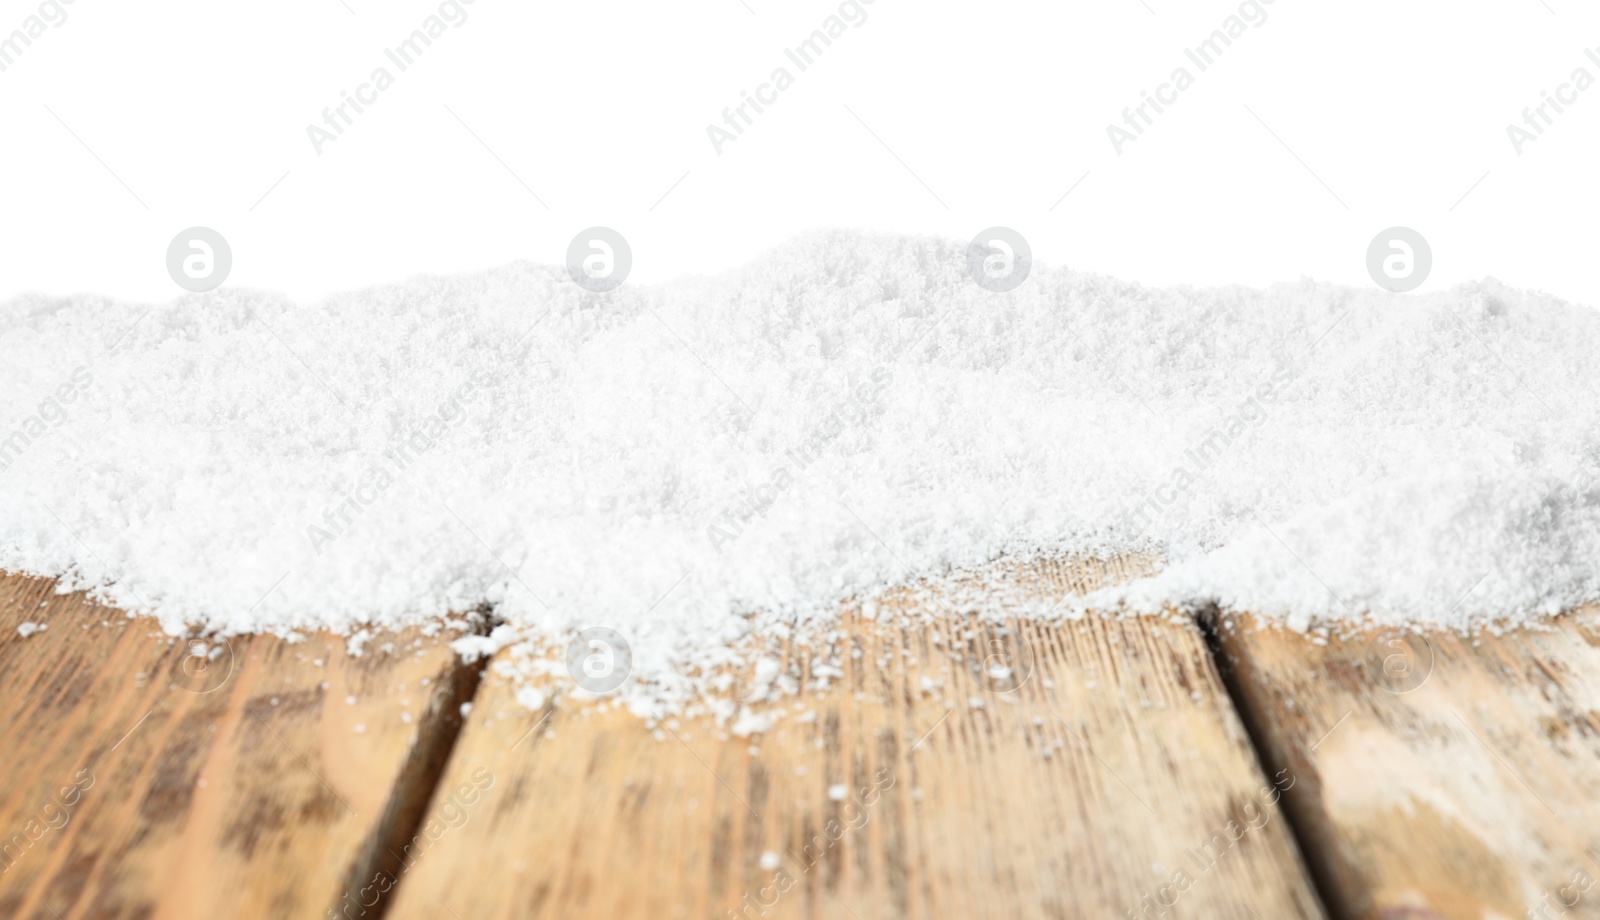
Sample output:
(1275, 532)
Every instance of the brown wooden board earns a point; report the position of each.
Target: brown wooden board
(1441, 775)
(135, 784)
(912, 787)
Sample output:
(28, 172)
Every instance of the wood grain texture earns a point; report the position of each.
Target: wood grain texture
(1440, 775)
(911, 787)
(125, 795)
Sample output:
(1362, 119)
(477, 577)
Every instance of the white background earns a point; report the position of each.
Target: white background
(600, 107)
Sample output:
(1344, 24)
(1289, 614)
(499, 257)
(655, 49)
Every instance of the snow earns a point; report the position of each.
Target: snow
(691, 462)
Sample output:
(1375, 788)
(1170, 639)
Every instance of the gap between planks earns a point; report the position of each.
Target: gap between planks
(905, 789)
(1442, 775)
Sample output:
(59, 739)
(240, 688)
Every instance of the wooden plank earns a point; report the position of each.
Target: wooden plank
(133, 788)
(911, 787)
(1440, 775)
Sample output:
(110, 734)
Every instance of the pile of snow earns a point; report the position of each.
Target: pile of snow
(847, 413)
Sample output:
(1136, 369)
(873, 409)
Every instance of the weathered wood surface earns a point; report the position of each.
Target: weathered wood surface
(1449, 777)
(1440, 776)
(1083, 792)
(126, 792)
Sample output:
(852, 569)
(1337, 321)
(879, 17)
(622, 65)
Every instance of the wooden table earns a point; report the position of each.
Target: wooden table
(1171, 766)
